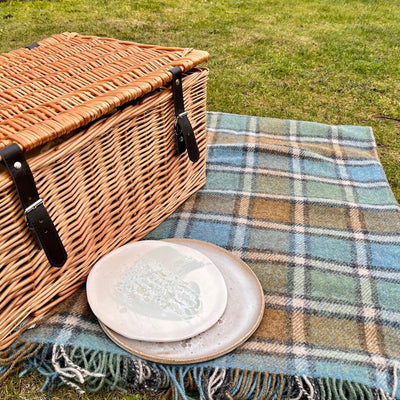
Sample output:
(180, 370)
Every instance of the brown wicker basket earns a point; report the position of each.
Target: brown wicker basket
(96, 121)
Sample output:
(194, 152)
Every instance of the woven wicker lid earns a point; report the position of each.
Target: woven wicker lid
(70, 80)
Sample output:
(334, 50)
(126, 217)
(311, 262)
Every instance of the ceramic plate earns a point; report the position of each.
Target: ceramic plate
(157, 291)
(241, 318)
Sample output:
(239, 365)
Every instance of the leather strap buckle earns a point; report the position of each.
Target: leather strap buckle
(181, 115)
(184, 135)
(37, 203)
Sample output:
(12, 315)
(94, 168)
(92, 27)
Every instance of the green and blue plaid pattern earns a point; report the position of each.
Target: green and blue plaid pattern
(307, 206)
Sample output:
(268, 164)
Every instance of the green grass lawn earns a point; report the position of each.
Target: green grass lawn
(335, 62)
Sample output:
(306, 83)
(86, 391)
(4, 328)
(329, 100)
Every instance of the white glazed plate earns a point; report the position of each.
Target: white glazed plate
(241, 318)
(156, 291)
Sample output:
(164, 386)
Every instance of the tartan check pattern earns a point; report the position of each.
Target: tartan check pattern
(308, 207)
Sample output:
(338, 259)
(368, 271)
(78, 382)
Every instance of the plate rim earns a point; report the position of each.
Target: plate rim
(188, 360)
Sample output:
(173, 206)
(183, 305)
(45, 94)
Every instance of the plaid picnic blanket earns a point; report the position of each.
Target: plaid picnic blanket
(307, 206)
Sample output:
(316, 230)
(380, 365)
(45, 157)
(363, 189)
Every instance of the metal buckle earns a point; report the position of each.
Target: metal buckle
(28, 210)
(181, 115)
(34, 205)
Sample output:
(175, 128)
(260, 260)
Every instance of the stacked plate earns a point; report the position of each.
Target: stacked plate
(175, 301)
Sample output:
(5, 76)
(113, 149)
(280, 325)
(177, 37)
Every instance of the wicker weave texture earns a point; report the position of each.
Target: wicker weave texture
(104, 186)
(70, 80)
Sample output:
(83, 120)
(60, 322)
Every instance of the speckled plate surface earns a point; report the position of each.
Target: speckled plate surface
(157, 291)
(241, 318)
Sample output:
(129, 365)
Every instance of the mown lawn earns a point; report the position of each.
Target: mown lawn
(335, 62)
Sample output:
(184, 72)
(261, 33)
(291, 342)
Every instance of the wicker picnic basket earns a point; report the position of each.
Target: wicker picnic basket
(100, 140)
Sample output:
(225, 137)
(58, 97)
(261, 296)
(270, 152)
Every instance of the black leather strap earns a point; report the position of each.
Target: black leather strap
(184, 135)
(32, 46)
(36, 215)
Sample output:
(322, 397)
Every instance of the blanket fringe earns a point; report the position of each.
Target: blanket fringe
(88, 370)
(12, 358)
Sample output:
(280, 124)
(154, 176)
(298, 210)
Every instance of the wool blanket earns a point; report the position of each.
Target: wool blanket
(308, 207)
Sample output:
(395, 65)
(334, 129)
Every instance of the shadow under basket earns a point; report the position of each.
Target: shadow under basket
(105, 156)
